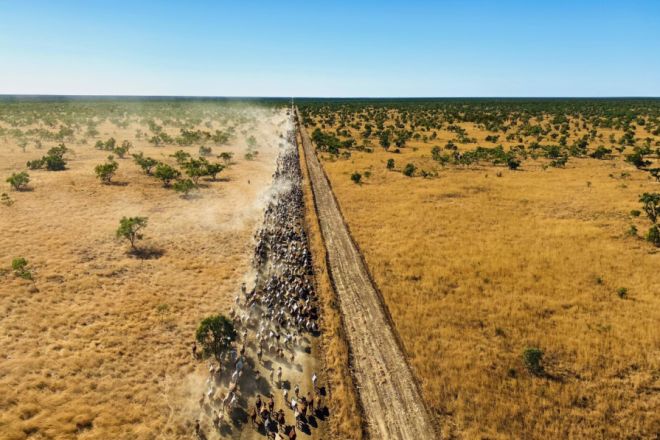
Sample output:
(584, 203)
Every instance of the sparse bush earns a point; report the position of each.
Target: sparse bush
(532, 357)
(213, 169)
(35, 164)
(105, 171)
(54, 159)
(184, 187)
(129, 229)
(19, 265)
(123, 149)
(356, 177)
(19, 181)
(635, 213)
(205, 151)
(215, 334)
(512, 163)
(622, 292)
(653, 235)
(651, 203)
(390, 164)
(6, 200)
(226, 157)
(166, 173)
(655, 172)
(409, 170)
(637, 159)
(146, 163)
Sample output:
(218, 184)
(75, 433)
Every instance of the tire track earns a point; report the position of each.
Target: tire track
(390, 398)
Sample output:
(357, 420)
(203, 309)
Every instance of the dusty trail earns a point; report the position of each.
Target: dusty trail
(391, 401)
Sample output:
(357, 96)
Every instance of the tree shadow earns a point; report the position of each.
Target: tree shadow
(147, 253)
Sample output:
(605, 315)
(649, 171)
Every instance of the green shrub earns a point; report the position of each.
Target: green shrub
(146, 163)
(20, 268)
(166, 173)
(215, 334)
(6, 200)
(356, 177)
(532, 357)
(213, 169)
(184, 187)
(622, 292)
(409, 170)
(653, 235)
(390, 164)
(105, 171)
(19, 181)
(130, 227)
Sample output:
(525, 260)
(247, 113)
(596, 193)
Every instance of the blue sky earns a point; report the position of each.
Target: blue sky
(331, 48)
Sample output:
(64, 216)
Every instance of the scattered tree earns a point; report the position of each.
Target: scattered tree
(356, 177)
(129, 229)
(166, 173)
(532, 357)
(215, 334)
(20, 268)
(409, 170)
(19, 181)
(184, 186)
(105, 171)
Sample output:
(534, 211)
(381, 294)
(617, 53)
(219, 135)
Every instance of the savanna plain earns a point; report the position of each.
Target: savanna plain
(96, 336)
(515, 244)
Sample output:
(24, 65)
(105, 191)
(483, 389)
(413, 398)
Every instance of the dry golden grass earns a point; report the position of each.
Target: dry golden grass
(345, 413)
(474, 268)
(99, 345)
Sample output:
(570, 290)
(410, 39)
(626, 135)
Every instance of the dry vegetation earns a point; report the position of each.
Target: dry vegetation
(97, 345)
(345, 413)
(478, 262)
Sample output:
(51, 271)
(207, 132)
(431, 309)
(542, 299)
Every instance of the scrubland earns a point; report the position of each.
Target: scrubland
(478, 262)
(98, 343)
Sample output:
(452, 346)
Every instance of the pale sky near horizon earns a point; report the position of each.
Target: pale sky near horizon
(340, 48)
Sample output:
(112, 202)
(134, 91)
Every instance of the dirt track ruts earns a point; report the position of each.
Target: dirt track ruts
(391, 401)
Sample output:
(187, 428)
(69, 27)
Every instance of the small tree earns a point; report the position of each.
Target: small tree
(390, 164)
(637, 159)
(105, 171)
(226, 157)
(146, 163)
(512, 163)
(54, 160)
(651, 207)
(20, 268)
(184, 187)
(166, 173)
(19, 181)
(215, 334)
(130, 227)
(532, 357)
(655, 172)
(213, 169)
(409, 170)
(121, 151)
(356, 177)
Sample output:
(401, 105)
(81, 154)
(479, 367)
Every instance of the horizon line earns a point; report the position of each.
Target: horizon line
(238, 97)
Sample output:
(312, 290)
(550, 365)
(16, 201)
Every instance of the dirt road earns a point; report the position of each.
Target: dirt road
(391, 401)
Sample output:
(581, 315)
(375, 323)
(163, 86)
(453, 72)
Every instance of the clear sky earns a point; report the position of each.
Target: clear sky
(331, 48)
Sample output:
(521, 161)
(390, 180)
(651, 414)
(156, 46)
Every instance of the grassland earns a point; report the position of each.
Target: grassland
(97, 345)
(478, 262)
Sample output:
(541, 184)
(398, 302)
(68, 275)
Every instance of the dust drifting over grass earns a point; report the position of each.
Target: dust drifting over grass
(98, 346)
